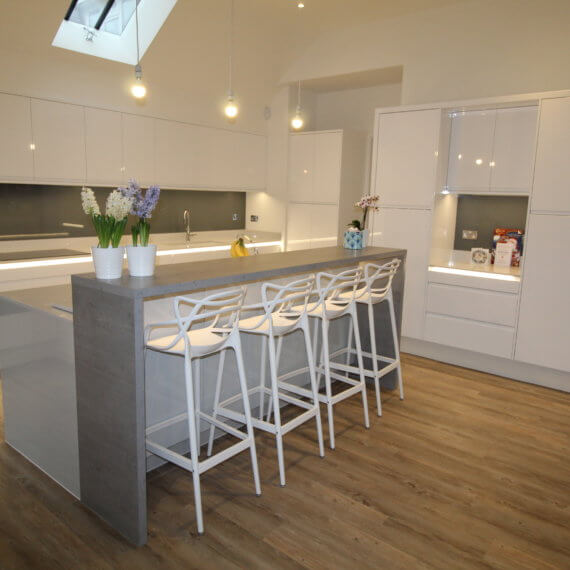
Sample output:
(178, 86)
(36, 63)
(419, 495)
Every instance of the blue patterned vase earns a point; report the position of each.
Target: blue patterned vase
(353, 240)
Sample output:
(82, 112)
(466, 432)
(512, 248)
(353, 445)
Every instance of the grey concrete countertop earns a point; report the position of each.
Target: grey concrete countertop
(172, 279)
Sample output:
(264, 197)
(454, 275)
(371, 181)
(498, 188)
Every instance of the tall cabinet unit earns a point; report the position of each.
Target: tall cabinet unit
(406, 174)
(544, 319)
(325, 179)
(16, 144)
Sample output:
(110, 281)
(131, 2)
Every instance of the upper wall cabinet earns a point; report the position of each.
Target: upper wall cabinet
(315, 167)
(551, 190)
(103, 147)
(492, 150)
(176, 153)
(59, 138)
(139, 149)
(407, 158)
(513, 149)
(471, 150)
(16, 158)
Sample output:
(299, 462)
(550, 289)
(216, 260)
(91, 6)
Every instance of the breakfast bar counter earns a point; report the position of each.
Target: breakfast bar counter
(108, 319)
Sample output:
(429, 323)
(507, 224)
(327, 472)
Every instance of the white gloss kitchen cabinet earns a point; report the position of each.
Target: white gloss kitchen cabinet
(59, 140)
(103, 147)
(406, 174)
(544, 321)
(492, 150)
(58, 143)
(325, 179)
(406, 157)
(16, 150)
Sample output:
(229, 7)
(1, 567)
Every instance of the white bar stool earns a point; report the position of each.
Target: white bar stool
(280, 317)
(336, 299)
(381, 276)
(217, 319)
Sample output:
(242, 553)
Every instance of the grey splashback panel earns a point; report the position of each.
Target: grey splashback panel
(29, 210)
(484, 214)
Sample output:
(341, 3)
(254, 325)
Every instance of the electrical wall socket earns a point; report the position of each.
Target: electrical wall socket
(235, 217)
(253, 218)
(469, 234)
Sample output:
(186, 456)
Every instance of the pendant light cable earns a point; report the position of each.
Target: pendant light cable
(137, 30)
(231, 109)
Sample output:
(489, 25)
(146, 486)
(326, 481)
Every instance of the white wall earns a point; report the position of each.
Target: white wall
(354, 108)
(461, 51)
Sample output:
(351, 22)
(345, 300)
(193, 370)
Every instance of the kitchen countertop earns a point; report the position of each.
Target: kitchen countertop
(172, 279)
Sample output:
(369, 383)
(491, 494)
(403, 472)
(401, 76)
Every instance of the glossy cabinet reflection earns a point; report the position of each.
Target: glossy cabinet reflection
(311, 225)
(492, 150)
(139, 149)
(16, 149)
(471, 150)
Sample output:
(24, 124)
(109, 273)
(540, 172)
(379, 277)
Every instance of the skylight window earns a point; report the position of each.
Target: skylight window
(106, 28)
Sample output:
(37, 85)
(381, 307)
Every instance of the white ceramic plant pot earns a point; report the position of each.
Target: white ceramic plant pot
(141, 260)
(108, 261)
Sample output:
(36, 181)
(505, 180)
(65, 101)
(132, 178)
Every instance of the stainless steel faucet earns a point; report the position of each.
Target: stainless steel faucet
(187, 227)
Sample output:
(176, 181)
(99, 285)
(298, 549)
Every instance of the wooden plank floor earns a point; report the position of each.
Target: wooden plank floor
(470, 471)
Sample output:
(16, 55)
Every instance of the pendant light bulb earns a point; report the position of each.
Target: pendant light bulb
(297, 121)
(231, 109)
(300, 4)
(138, 88)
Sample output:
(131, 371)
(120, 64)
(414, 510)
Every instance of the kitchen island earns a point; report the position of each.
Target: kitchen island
(109, 382)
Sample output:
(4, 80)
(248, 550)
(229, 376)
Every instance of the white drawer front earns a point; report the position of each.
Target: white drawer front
(476, 304)
(495, 340)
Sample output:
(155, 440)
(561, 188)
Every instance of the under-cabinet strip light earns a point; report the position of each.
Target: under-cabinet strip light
(474, 273)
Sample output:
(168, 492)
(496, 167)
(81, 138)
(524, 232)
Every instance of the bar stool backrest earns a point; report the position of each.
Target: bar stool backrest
(280, 300)
(378, 278)
(338, 288)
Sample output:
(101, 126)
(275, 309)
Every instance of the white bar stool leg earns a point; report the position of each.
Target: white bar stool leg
(262, 376)
(373, 351)
(349, 343)
(360, 364)
(276, 411)
(314, 388)
(247, 413)
(326, 362)
(197, 400)
(216, 399)
(193, 444)
(396, 344)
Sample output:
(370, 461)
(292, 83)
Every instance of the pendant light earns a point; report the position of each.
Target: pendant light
(138, 89)
(231, 109)
(297, 121)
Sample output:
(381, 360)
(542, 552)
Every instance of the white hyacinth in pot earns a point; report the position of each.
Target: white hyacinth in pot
(108, 254)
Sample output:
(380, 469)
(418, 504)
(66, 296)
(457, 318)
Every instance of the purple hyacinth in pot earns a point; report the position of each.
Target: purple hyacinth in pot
(141, 255)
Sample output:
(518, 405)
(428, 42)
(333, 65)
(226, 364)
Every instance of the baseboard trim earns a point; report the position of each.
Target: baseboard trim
(529, 373)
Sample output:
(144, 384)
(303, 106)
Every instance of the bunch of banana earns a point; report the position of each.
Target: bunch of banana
(238, 248)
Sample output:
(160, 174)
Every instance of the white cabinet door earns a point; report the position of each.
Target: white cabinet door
(139, 149)
(16, 157)
(298, 226)
(408, 229)
(103, 146)
(59, 138)
(551, 189)
(249, 154)
(324, 225)
(176, 154)
(543, 335)
(513, 149)
(407, 155)
(471, 150)
(301, 167)
(326, 178)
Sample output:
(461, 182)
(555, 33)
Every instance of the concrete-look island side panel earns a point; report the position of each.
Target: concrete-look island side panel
(109, 364)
